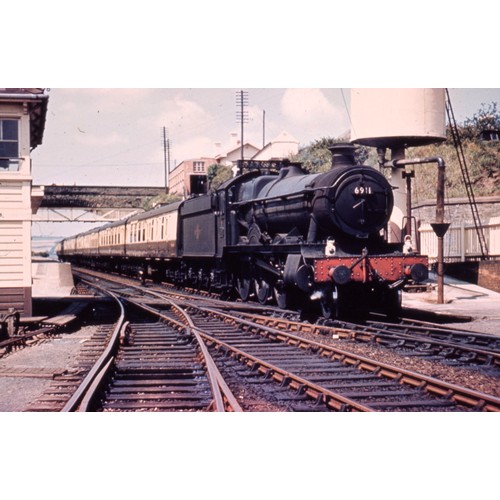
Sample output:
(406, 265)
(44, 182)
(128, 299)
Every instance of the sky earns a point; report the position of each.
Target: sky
(101, 136)
(114, 136)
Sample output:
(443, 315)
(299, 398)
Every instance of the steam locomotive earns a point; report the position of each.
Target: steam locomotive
(273, 233)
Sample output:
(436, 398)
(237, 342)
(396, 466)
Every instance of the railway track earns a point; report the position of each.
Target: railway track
(333, 379)
(16, 334)
(21, 340)
(65, 384)
(454, 347)
(160, 369)
(153, 364)
(417, 339)
(336, 378)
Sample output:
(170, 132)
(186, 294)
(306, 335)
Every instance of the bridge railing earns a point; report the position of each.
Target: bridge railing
(461, 242)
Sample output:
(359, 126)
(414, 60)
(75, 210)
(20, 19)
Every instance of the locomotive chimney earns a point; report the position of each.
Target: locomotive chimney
(343, 155)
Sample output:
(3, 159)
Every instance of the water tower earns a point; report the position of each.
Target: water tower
(395, 119)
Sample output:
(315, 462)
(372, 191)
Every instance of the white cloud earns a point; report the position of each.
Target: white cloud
(182, 117)
(310, 111)
(187, 123)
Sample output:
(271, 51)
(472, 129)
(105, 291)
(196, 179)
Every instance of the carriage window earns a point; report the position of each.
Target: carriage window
(9, 145)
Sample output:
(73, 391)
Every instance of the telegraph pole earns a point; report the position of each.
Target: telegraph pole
(166, 158)
(264, 128)
(242, 115)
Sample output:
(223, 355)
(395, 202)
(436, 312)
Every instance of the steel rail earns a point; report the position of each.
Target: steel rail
(91, 394)
(104, 360)
(372, 332)
(313, 390)
(220, 390)
(460, 395)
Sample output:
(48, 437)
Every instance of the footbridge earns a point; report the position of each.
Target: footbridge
(90, 203)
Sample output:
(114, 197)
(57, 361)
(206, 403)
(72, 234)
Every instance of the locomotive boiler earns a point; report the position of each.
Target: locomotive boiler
(346, 202)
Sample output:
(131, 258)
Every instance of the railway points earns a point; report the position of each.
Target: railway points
(36, 379)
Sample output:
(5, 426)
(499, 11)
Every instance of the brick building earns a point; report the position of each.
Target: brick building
(190, 177)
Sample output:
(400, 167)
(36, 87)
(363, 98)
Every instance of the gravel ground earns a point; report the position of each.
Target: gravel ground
(26, 373)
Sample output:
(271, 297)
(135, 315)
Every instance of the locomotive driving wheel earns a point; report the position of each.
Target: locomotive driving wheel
(330, 304)
(244, 287)
(328, 309)
(262, 290)
(280, 296)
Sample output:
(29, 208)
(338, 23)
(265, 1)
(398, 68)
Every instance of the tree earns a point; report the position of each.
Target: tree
(161, 199)
(218, 174)
(317, 158)
(487, 118)
(212, 172)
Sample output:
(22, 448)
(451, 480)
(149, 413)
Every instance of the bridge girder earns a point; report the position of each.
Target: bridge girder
(82, 214)
(90, 203)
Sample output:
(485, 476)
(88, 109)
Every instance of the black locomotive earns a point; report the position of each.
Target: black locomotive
(273, 233)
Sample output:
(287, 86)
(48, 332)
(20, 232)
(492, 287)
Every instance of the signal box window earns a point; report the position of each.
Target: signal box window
(9, 145)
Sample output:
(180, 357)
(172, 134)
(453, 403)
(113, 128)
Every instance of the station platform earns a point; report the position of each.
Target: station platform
(52, 279)
(479, 307)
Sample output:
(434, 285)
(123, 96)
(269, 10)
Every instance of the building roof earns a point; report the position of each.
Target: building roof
(282, 146)
(237, 148)
(37, 102)
(285, 137)
(191, 160)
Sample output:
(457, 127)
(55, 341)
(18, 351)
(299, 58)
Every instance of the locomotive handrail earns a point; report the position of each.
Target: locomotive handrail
(298, 194)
